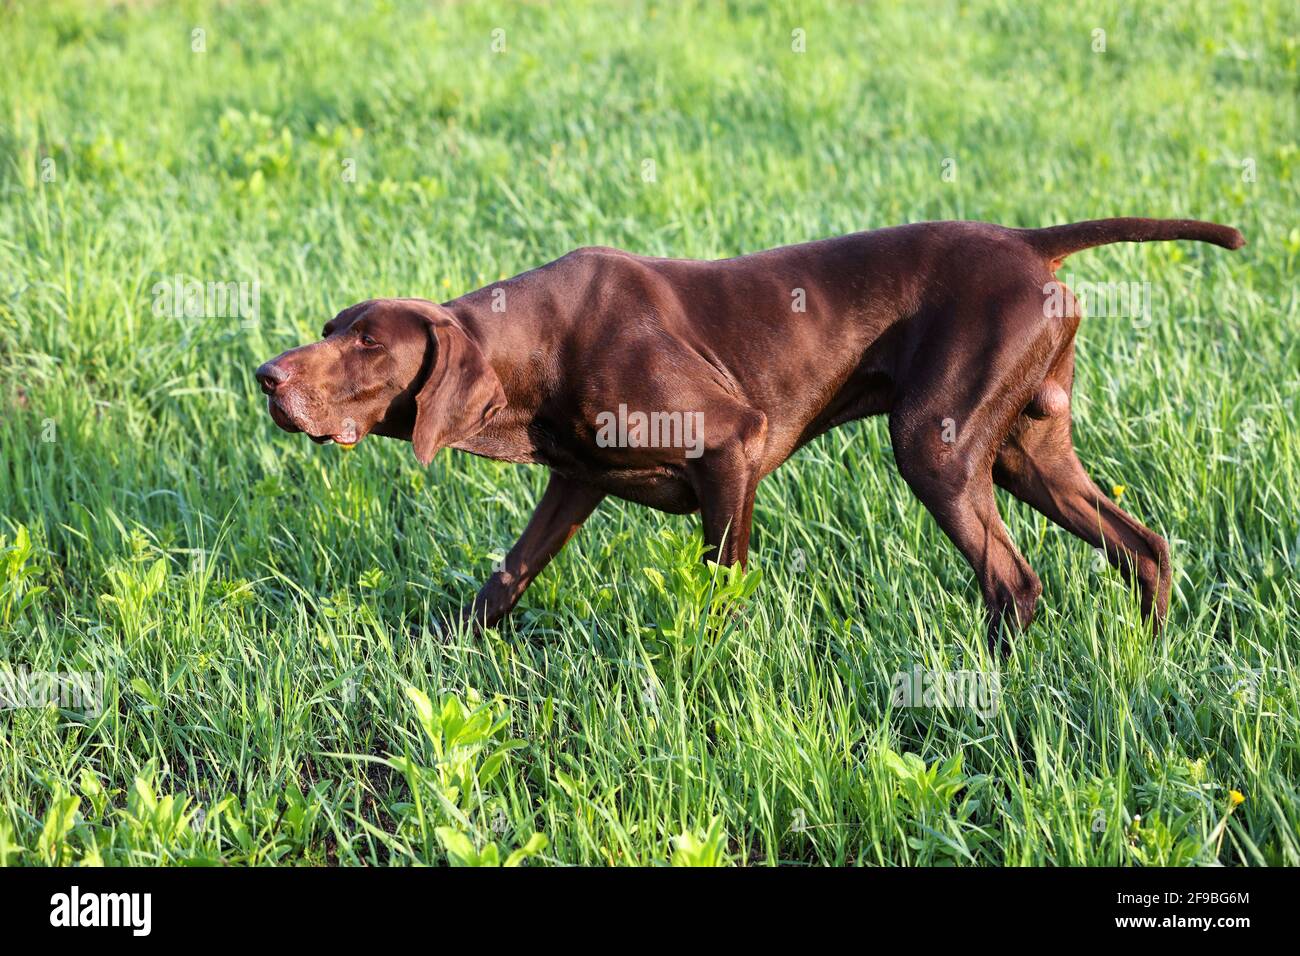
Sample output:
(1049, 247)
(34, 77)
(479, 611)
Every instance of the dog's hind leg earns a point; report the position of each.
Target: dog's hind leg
(961, 400)
(959, 493)
(1039, 466)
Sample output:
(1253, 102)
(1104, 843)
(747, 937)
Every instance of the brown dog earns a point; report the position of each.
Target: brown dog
(679, 384)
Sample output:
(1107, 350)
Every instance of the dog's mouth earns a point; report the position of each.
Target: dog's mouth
(345, 437)
(280, 416)
(344, 440)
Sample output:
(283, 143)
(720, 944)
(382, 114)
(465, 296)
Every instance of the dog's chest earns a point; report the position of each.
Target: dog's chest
(504, 439)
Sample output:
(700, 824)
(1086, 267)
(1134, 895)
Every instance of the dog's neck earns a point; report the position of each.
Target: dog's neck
(512, 433)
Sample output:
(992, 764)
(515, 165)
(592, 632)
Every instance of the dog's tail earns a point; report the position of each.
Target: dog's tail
(1056, 242)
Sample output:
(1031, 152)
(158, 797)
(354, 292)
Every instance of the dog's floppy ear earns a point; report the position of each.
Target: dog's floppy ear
(460, 394)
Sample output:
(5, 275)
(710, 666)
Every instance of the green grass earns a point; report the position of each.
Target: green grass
(249, 597)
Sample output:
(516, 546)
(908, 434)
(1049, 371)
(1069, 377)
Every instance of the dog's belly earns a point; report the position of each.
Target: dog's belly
(868, 391)
(661, 489)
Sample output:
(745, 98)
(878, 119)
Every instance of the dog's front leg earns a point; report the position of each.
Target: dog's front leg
(565, 505)
(725, 479)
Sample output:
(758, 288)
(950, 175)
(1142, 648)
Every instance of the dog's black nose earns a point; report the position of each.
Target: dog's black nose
(271, 376)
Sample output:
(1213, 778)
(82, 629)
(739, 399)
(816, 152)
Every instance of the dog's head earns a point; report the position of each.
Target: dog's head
(403, 368)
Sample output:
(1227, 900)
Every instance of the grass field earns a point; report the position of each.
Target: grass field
(247, 597)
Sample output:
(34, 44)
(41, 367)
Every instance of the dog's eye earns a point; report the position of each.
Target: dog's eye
(368, 342)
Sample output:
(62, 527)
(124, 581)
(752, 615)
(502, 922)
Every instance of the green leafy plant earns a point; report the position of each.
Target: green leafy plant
(701, 848)
(17, 573)
(931, 796)
(1153, 841)
(467, 747)
(52, 846)
(131, 587)
(462, 852)
(152, 827)
(702, 599)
